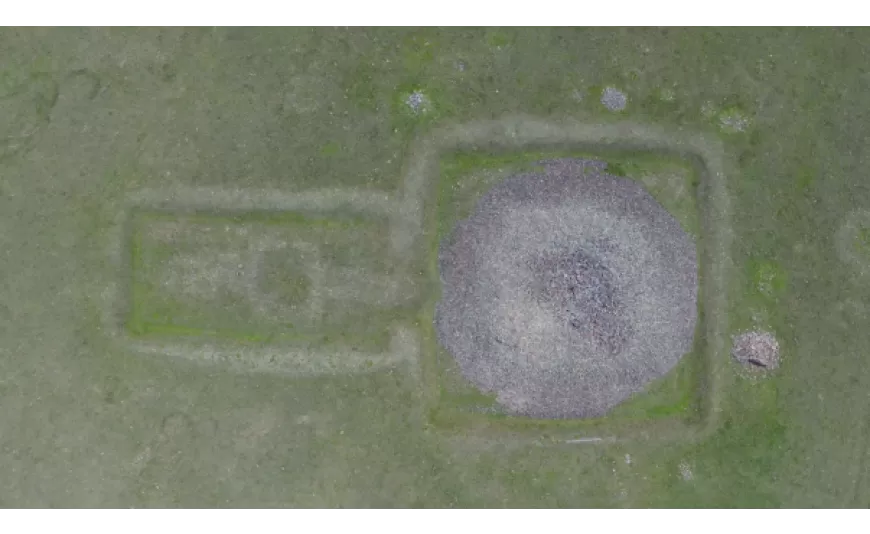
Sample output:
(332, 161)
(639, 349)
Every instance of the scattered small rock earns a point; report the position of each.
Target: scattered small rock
(667, 95)
(418, 102)
(733, 121)
(613, 99)
(756, 350)
(852, 241)
(686, 471)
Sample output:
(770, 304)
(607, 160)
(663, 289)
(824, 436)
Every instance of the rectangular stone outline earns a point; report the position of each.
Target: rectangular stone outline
(525, 132)
(276, 359)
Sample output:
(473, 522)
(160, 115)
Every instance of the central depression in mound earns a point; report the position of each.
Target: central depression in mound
(566, 291)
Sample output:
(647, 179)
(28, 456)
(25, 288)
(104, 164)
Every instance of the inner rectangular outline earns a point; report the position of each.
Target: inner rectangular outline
(139, 218)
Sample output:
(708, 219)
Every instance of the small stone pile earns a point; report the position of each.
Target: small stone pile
(756, 350)
(613, 99)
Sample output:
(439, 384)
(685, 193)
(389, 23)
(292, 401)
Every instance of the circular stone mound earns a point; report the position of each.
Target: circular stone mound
(566, 291)
(756, 350)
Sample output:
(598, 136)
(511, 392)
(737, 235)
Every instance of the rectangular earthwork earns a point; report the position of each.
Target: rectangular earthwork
(291, 289)
(683, 170)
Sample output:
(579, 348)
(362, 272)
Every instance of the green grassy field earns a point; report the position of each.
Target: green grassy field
(90, 118)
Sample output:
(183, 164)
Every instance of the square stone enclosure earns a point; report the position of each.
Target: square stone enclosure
(522, 139)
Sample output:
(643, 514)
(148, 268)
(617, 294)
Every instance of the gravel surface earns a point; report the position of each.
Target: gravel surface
(566, 291)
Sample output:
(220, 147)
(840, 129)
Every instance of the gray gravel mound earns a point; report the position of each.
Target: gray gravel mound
(613, 99)
(566, 291)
